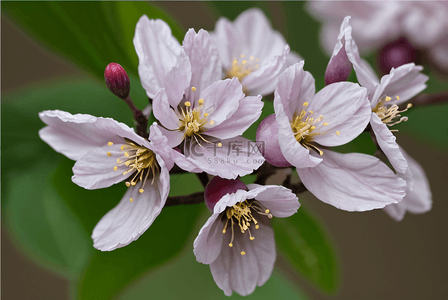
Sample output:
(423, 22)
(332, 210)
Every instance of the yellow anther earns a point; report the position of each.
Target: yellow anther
(267, 211)
(193, 89)
(109, 154)
(409, 105)
(398, 98)
(235, 61)
(201, 101)
(388, 98)
(141, 191)
(118, 161)
(305, 104)
(223, 231)
(206, 114)
(187, 103)
(243, 253)
(110, 143)
(338, 133)
(126, 154)
(219, 144)
(122, 147)
(212, 122)
(230, 245)
(252, 58)
(252, 238)
(325, 124)
(127, 163)
(311, 112)
(244, 62)
(242, 55)
(133, 183)
(131, 200)
(313, 127)
(128, 184)
(115, 168)
(257, 226)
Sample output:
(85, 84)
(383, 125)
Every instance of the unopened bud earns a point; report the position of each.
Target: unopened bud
(218, 187)
(395, 54)
(339, 68)
(117, 80)
(267, 133)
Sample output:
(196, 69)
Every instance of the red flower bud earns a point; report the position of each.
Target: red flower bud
(339, 68)
(218, 188)
(117, 80)
(397, 53)
(267, 132)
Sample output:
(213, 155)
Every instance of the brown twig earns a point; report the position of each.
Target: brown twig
(188, 199)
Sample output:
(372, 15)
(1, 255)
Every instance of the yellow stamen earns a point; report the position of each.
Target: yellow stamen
(115, 168)
(109, 154)
(243, 253)
(193, 89)
(206, 114)
(187, 103)
(141, 191)
(201, 101)
(110, 143)
(219, 144)
(305, 104)
(212, 122)
(251, 58)
(337, 132)
(131, 200)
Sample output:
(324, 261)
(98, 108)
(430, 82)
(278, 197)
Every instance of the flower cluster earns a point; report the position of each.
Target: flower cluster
(205, 93)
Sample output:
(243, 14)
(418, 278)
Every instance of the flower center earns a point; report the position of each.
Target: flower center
(304, 126)
(141, 163)
(390, 115)
(242, 67)
(192, 121)
(241, 214)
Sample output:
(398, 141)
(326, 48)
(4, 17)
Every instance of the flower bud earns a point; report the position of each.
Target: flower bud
(218, 188)
(267, 132)
(117, 80)
(395, 54)
(339, 68)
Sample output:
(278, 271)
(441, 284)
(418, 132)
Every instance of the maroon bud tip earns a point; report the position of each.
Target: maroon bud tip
(267, 132)
(338, 69)
(117, 80)
(395, 54)
(218, 188)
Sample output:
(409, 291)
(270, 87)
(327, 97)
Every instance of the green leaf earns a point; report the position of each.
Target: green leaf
(91, 34)
(301, 239)
(42, 224)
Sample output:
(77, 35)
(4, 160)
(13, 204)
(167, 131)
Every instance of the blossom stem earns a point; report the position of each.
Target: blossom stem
(142, 122)
(203, 178)
(428, 99)
(189, 199)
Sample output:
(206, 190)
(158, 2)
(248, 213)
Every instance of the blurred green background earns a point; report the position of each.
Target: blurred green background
(53, 57)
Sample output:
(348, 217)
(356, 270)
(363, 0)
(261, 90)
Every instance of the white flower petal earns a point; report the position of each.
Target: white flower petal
(281, 202)
(208, 243)
(248, 112)
(128, 220)
(178, 79)
(386, 141)
(159, 145)
(157, 51)
(204, 60)
(295, 87)
(345, 108)
(353, 182)
(226, 40)
(163, 112)
(241, 273)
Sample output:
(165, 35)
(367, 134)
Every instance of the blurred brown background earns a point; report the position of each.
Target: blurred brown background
(380, 258)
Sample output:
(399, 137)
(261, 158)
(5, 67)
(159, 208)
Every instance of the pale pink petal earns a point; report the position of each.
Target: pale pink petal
(236, 157)
(353, 182)
(73, 135)
(263, 80)
(259, 39)
(406, 82)
(208, 243)
(226, 40)
(129, 220)
(248, 112)
(204, 60)
(387, 143)
(345, 109)
(293, 151)
(241, 273)
(396, 211)
(174, 137)
(163, 111)
(221, 100)
(281, 202)
(95, 170)
(159, 145)
(178, 79)
(157, 51)
(295, 87)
